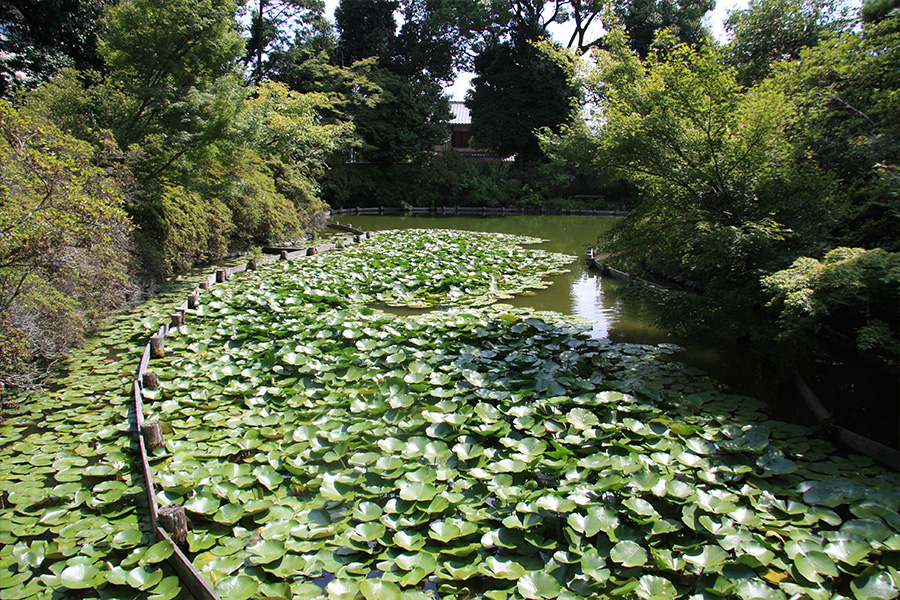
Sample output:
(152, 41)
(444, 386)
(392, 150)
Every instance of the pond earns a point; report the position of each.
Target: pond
(584, 293)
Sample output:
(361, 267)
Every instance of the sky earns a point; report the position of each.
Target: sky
(457, 91)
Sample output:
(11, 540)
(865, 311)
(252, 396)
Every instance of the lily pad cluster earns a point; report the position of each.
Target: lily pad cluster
(325, 449)
(429, 267)
(73, 515)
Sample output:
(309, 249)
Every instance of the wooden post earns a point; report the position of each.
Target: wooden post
(359, 239)
(312, 251)
(204, 285)
(368, 235)
(157, 346)
(221, 276)
(172, 519)
(252, 265)
(283, 255)
(380, 210)
(177, 318)
(150, 381)
(152, 432)
(193, 300)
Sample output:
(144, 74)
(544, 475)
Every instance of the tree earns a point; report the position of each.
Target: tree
(64, 242)
(643, 19)
(517, 90)
(769, 31)
(176, 60)
(274, 25)
(410, 114)
(41, 37)
(852, 290)
(719, 203)
(846, 89)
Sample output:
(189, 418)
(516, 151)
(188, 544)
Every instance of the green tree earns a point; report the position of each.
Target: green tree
(176, 61)
(274, 25)
(719, 203)
(410, 114)
(852, 290)
(64, 242)
(643, 19)
(769, 31)
(518, 89)
(41, 37)
(846, 89)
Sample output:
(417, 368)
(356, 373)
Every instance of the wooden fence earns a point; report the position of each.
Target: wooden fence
(169, 523)
(467, 210)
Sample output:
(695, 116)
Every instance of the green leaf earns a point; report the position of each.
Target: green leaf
(373, 589)
(538, 585)
(652, 587)
(238, 587)
(628, 554)
(266, 551)
(79, 576)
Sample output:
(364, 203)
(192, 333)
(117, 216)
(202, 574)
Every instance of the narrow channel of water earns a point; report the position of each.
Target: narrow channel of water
(586, 294)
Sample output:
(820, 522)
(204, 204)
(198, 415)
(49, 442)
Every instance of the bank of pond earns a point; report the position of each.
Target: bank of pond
(383, 421)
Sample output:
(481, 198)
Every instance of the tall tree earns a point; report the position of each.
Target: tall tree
(770, 31)
(274, 25)
(644, 18)
(176, 62)
(517, 90)
(719, 201)
(411, 112)
(40, 37)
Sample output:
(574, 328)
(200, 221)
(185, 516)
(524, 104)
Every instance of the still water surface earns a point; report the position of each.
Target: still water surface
(580, 292)
(583, 293)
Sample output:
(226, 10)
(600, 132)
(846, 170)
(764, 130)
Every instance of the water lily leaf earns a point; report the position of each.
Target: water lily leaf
(266, 551)
(202, 503)
(238, 587)
(342, 589)
(268, 476)
(144, 577)
(874, 584)
(158, 552)
(229, 514)
(367, 532)
(80, 576)
(753, 589)
(593, 565)
(416, 560)
(849, 551)
(652, 587)
(417, 491)
(813, 565)
(538, 585)
(128, 538)
(373, 589)
(505, 568)
(167, 589)
(367, 511)
(628, 554)
(443, 531)
(708, 558)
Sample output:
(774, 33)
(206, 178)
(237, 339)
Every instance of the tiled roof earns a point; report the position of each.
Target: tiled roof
(460, 113)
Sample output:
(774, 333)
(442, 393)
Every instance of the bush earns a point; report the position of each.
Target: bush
(65, 243)
(854, 290)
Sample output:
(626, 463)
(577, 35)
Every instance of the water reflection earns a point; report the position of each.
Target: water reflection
(579, 292)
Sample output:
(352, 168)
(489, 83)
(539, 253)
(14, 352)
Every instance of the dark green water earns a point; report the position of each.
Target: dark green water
(586, 294)
(579, 292)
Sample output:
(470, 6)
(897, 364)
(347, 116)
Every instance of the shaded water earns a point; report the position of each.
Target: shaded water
(586, 294)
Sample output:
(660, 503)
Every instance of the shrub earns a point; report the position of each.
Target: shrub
(64, 242)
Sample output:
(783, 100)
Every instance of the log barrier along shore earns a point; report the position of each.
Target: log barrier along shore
(169, 522)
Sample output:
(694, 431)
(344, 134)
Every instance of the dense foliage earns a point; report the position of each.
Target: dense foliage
(744, 170)
(326, 449)
(64, 243)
